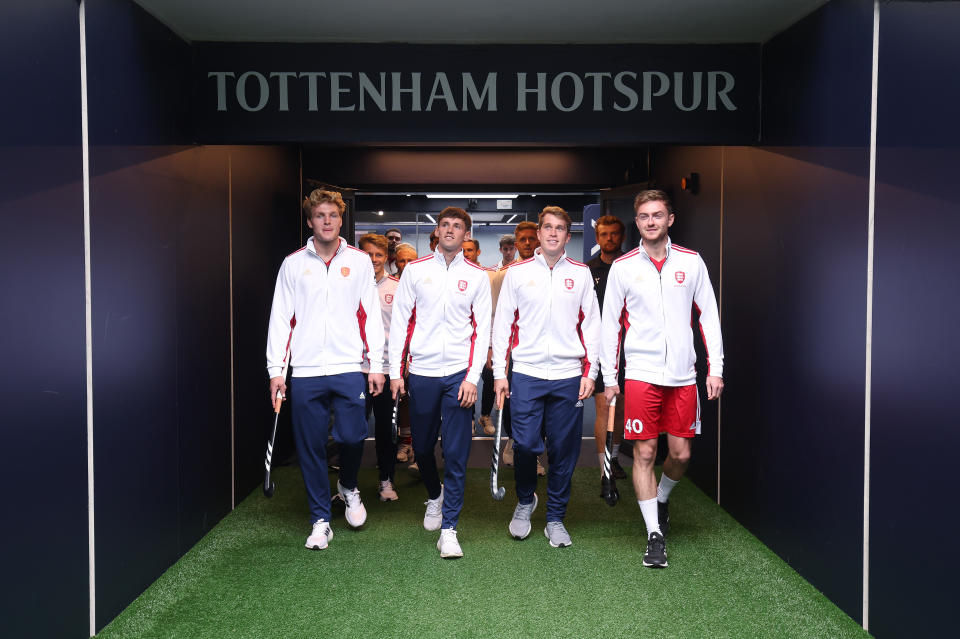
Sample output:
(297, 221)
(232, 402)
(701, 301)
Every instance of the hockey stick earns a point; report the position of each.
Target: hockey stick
(393, 424)
(268, 486)
(608, 485)
(497, 492)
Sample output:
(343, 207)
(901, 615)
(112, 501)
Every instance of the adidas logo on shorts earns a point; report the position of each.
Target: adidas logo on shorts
(579, 404)
(362, 396)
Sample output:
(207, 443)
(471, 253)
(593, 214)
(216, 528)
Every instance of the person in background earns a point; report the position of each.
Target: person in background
(406, 253)
(381, 405)
(394, 237)
(609, 232)
(433, 240)
(526, 242)
(508, 250)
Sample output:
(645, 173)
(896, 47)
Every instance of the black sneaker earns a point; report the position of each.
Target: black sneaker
(656, 555)
(617, 470)
(663, 514)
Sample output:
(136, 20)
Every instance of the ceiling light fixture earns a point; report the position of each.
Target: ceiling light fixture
(472, 196)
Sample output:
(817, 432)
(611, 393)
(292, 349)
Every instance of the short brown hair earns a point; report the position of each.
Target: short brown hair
(318, 197)
(476, 243)
(524, 226)
(508, 240)
(455, 212)
(556, 211)
(611, 220)
(377, 240)
(653, 195)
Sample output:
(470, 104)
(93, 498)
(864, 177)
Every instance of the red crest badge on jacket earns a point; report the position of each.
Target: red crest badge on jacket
(568, 283)
(388, 298)
(345, 271)
(680, 276)
(462, 285)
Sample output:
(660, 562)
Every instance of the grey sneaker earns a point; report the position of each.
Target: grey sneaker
(356, 513)
(520, 524)
(557, 534)
(321, 535)
(434, 515)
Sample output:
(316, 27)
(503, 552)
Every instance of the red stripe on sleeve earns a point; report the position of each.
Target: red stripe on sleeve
(362, 323)
(585, 362)
(473, 337)
(706, 349)
(405, 353)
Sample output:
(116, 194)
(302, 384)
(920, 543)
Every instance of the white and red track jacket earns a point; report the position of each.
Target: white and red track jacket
(547, 320)
(386, 291)
(334, 309)
(443, 314)
(656, 308)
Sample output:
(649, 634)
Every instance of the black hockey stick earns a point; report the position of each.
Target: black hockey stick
(608, 485)
(495, 491)
(393, 424)
(268, 486)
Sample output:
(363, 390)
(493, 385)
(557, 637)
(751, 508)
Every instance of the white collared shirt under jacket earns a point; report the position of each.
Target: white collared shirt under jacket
(656, 308)
(328, 315)
(441, 317)
(547, 320)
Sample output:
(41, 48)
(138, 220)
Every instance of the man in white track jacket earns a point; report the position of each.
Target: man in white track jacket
(441, 318)
(548, 324)
(325, 318)
(650, 296)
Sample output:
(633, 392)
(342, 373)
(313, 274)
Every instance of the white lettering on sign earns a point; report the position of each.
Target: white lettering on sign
(412, 92)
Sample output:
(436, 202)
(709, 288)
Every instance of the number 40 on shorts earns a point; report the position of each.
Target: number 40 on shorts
(634, 426)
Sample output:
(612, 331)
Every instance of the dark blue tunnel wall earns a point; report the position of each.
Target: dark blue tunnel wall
(795, 213)
(782, 226)
(44, 434)
(914, 422)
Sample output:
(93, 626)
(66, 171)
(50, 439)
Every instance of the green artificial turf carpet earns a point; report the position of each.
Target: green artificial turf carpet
(252, 577)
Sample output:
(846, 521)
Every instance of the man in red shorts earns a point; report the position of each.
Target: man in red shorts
(651, 293)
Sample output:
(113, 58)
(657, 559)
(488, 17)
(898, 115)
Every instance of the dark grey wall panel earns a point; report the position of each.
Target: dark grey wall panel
(914, 435)
(794, 305)
(44, 536)
(697, 226)
(267, 226)
(816, 79)
(134, 224)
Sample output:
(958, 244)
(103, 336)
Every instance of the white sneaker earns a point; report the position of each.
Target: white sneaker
(356, 513)
(520, 523)
(448, 545)
(387, 491)
(507, 456)
(321, 535)
(434, 515)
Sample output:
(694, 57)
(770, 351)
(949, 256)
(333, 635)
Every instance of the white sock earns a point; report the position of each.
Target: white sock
(664, 487)
(648, 508)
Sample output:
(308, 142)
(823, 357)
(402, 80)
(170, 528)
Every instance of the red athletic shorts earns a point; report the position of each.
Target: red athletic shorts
(651, 409)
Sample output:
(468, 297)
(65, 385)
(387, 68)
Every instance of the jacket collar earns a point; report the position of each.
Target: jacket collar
(540, 259)
(312, 249)
(644, 253)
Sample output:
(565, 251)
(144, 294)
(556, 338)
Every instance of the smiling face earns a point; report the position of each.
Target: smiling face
(553, 235)
(653, 221)
(377, 256)
(451, 232)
